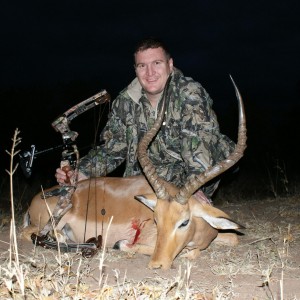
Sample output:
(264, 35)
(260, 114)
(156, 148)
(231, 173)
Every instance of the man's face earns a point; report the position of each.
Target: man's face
(153, 68)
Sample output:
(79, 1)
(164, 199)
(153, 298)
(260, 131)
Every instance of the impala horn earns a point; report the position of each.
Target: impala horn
(148, 167)
(193, 184)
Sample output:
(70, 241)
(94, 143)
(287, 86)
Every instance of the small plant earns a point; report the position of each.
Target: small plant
(15, 270)
(278, 180)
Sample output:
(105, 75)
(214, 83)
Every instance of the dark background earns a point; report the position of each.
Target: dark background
(56, 54)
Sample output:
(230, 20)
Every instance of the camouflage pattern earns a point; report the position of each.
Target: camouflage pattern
(188, 142)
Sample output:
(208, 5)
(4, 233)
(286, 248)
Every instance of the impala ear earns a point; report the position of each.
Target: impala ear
(222, 223)
(149, 200)
(214, 217)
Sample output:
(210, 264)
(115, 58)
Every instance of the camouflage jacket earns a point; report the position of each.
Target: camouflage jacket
(188, 142)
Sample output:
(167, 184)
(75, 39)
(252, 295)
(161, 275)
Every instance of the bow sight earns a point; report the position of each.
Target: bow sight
(61, 124)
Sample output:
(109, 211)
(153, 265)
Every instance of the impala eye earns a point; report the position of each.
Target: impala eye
(183, 224)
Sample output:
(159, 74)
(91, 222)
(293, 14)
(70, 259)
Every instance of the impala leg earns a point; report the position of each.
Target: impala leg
(190, 254)
(125, 246)
(227, 238)
(69, 233)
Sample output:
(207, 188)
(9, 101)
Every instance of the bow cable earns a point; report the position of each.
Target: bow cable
(97, 121)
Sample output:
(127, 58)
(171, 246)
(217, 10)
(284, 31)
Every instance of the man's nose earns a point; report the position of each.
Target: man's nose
(150, 70)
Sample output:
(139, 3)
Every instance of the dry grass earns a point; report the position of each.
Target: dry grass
(65, 277)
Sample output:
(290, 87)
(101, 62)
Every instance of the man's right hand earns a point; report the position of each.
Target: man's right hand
(62, 177)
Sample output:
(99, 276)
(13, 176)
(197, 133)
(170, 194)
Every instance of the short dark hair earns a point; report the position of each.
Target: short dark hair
(151, 43)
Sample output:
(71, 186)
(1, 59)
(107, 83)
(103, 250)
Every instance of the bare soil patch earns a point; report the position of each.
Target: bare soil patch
(265, 265)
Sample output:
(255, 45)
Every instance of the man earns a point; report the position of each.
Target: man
(189, 140)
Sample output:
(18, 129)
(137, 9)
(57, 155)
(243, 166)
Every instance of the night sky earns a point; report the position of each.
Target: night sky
(55, 54)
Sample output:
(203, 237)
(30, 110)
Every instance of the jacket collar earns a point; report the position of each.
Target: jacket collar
(134, 90)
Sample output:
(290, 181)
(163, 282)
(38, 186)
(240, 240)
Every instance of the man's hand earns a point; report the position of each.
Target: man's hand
(62, 177)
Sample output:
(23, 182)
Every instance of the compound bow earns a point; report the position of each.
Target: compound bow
(70, 158)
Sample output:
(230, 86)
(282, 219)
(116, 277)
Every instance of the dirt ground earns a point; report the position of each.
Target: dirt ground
(265, 265)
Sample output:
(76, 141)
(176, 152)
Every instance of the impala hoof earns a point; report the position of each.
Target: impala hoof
(160, 265)
(117, 245)
(122, 245)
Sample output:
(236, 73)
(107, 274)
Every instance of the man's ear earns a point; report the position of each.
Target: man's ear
(149, 200)
(171, 64)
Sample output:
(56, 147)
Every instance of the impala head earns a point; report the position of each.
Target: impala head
(174, 229)
(179, 216)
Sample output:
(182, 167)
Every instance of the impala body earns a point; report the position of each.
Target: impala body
(133, 226)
